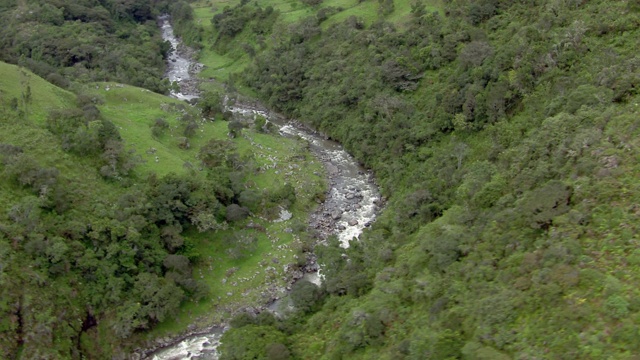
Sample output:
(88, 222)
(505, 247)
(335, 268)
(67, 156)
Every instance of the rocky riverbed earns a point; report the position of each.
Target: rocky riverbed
(350, 205)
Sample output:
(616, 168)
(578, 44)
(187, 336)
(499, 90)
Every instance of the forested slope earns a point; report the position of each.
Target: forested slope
(82, 267)
(118, 201)
(505, 136)
(87, 40)
(124, 209)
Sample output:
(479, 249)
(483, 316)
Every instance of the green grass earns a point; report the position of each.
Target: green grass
(44, 96)
(250, 279)
(133, 110)
(34, 139)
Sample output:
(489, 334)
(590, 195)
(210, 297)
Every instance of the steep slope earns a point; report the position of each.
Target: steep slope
(115, 197)
(505, 136)
(85, 40)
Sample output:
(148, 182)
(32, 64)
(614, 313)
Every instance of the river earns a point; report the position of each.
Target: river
(350, 206)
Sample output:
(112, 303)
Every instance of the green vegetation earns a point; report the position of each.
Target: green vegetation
(503, 135)
(120, 218)
(64, 41)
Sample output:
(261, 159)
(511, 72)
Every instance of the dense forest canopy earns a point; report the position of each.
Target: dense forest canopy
(503, 133)
(85, 40)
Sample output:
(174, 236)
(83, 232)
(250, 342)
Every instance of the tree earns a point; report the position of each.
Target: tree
(236, 212)
(160, 125)
(217, 153)
(235, 128)
(540, 206)
(206, 221)
(306, 296)
(26, 213)
(210, 103)
(252, 342)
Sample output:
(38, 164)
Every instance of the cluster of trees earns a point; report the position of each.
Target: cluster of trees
(92, 249)
(83, 131)
(232, 20)
(114, 254)
(113, 40)
(109, 239)
(502, 133)
(182, 21)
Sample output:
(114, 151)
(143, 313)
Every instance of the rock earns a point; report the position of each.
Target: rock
(349, 196)
(353, 222)
(341, 227)
(332, 169)
(336, 214)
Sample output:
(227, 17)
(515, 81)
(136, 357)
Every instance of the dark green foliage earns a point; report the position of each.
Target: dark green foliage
(312, 2)
(306, 296)
(159, 126)
(88, 41)
(251, 199)
(112, 259)
(232, 20)
(235, 128)
(253, 342)
(508, 168)
(503, 135)
(285, 196)
(85, 132)
(236, 212)
(210, 103)
(260, 124)
(217, 153)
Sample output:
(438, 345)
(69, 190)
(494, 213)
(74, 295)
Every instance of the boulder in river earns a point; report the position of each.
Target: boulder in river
(332, 169)
(336, 214)
(353, 222)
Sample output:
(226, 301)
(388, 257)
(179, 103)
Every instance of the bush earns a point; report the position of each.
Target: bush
(58, 80)
(236, 212)
(306, 296)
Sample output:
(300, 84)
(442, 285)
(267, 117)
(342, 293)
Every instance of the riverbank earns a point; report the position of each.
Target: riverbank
(350, 204)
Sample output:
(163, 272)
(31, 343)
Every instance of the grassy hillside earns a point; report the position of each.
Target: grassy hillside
(18, 84)
(137, 220)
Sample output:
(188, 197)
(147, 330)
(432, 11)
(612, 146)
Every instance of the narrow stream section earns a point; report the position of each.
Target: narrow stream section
(350, 206)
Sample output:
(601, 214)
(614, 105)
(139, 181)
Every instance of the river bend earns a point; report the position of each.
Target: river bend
(350, 206)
